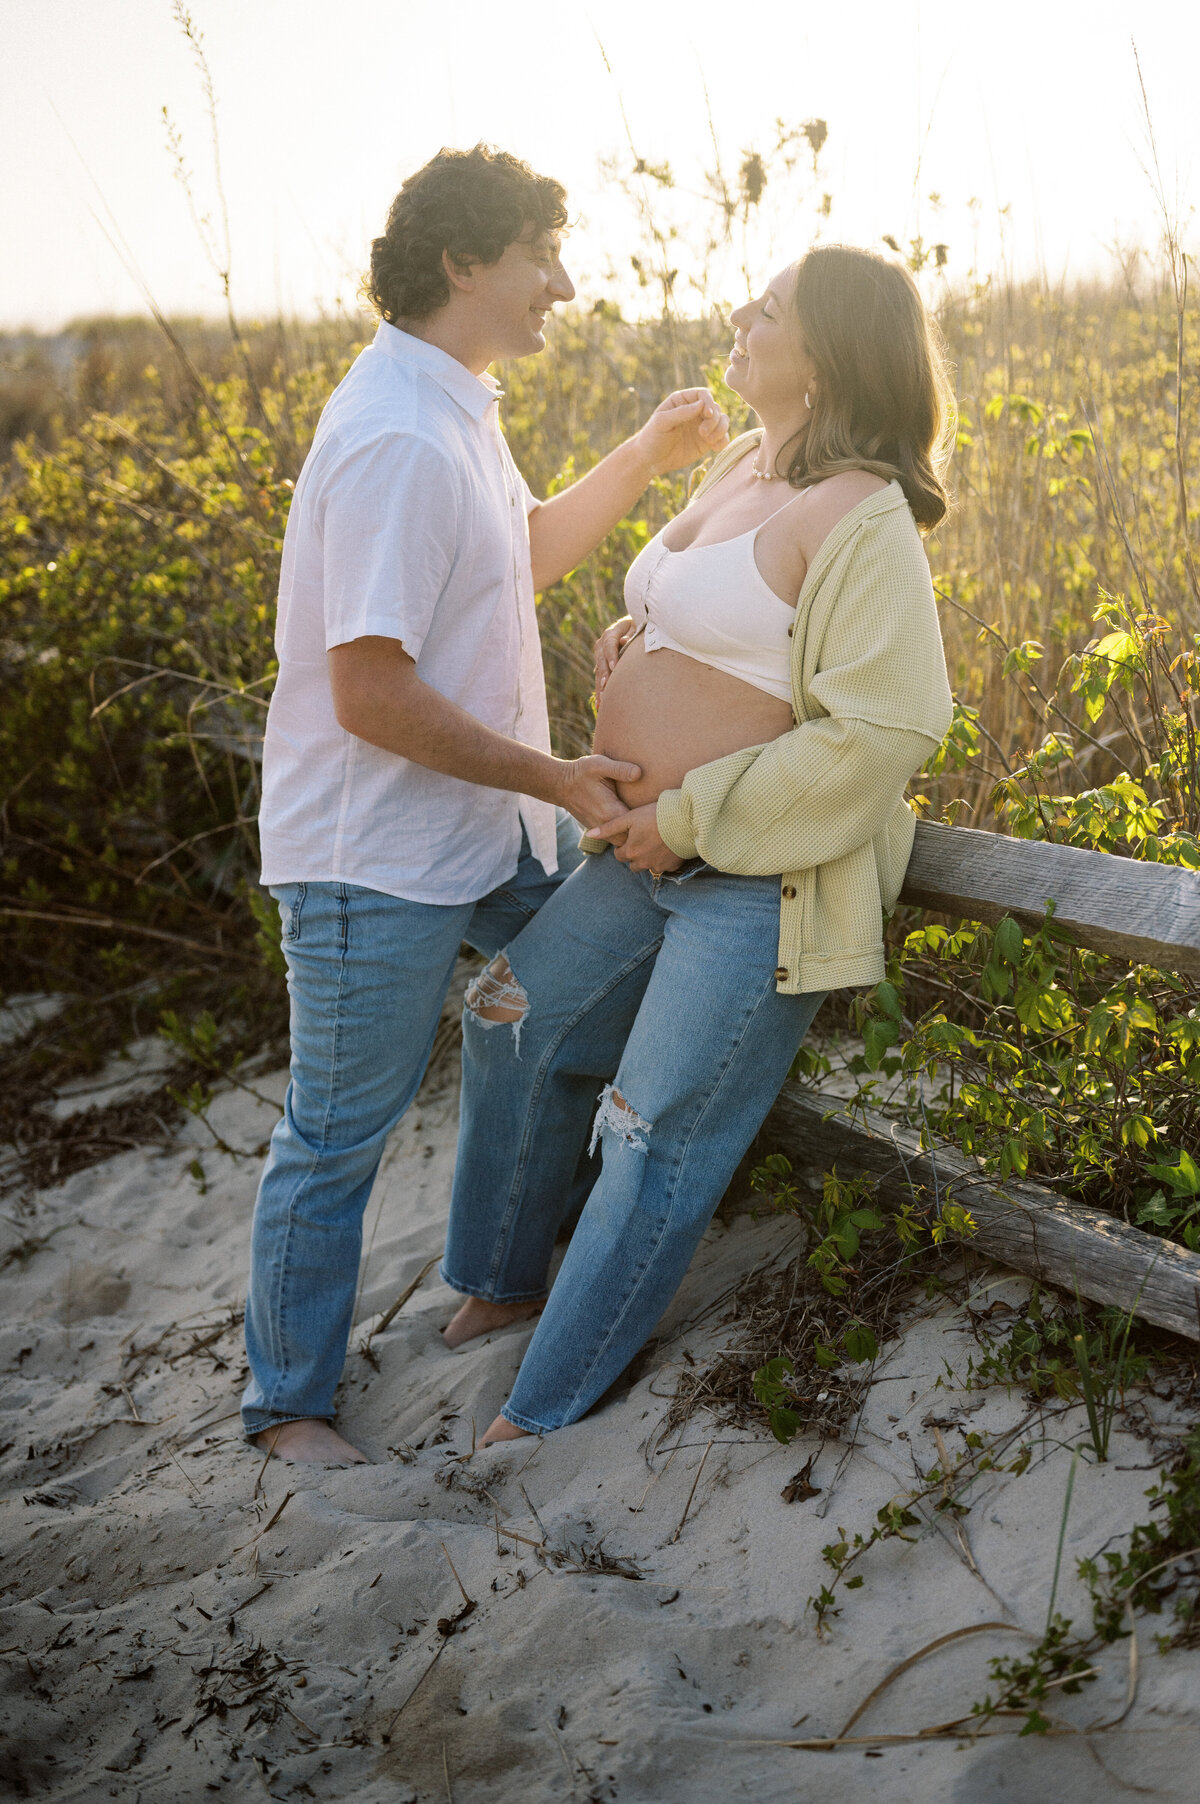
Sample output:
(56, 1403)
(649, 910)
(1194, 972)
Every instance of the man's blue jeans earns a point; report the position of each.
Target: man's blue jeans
(663, 993)
(367, 977)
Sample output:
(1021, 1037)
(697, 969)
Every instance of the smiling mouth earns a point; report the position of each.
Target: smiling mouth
(738, 353)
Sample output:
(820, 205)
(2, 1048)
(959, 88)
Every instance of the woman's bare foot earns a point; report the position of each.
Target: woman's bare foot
(311, 1440)
(477, 1317)
(502, 1430)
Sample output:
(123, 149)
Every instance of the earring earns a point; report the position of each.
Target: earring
(807, 401)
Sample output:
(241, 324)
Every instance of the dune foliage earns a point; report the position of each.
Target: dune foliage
(141, 521)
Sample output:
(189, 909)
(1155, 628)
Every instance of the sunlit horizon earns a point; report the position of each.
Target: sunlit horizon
(1023, 154)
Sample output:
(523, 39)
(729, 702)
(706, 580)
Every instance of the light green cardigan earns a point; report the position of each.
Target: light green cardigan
(824, 804)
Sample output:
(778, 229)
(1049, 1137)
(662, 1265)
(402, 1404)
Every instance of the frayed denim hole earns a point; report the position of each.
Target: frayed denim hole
(496, 989)
(621, 1119)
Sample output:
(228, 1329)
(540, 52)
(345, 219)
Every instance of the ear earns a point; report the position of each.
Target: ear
(458, 276)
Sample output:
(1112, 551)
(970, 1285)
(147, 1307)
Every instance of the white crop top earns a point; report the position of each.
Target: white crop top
(712, 603)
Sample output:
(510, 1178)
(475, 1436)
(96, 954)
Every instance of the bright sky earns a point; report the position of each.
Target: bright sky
(1031, 106)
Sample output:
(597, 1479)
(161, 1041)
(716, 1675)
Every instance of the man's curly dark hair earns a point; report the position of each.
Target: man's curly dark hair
(472, 204)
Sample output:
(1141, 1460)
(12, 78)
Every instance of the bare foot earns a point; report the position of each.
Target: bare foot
(477, 1317)
(310, 1440)
(502, 1430)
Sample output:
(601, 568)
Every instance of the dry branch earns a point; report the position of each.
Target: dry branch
(1147, 913)
(1066, 1243)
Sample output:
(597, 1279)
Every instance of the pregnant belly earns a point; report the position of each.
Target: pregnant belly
(670, 713)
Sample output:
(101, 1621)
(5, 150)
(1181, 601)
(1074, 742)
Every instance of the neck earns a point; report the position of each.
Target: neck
(454, 335)
(778, 436)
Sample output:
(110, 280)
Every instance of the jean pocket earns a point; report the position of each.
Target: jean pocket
(289, 899)
(692, 868)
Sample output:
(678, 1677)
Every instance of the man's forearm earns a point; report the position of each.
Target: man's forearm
(378, 696)
(563, 530)
(437, 733)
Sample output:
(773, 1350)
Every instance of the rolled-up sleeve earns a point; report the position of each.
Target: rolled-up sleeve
(801, 800)
(389, 516)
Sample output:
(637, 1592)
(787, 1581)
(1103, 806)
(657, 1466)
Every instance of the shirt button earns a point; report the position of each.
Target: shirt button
(789, 892)
(781, 973)
(791, 629)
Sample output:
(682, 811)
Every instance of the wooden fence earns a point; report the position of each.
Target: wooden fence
(1146, 913)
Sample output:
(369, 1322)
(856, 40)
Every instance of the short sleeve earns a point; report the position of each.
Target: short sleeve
(531, 500)
(389, 517)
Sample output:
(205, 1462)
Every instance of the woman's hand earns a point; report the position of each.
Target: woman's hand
(607, 649)
(685, 427)
(635, 841)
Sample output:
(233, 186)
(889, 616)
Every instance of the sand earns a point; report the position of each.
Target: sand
(179, 1623)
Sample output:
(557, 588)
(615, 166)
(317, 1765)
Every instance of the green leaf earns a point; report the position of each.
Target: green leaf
(887, 999)
(877, 1037)
(859, 1343)
(1009, 942)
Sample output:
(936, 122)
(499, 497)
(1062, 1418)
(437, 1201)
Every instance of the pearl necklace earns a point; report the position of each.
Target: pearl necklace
(761, 475)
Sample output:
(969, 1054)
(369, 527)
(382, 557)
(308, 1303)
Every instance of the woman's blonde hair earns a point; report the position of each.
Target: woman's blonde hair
(883, 401)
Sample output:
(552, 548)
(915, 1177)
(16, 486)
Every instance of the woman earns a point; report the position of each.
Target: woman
(782, 678)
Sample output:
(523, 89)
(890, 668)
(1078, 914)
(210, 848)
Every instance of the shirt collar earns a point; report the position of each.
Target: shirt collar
(473, 393)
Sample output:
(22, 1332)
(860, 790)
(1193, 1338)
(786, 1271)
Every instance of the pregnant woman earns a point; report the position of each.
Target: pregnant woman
(781, 679)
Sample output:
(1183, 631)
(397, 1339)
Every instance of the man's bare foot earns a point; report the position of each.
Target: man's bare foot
(502, 1430)
(311, 1440)
(477, 1317)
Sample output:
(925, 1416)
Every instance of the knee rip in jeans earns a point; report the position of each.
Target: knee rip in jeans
(621, 1119)
(496, 999)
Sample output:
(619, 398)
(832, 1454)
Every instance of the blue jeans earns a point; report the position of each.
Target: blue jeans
(367, 977)
(663, 993)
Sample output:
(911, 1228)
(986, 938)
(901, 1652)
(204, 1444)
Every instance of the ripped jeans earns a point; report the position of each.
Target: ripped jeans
(660, 995)
(367, 977)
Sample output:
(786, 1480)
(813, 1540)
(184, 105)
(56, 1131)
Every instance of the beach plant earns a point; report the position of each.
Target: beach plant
(858, 1266)
(1043, 1060)
(1091, 1356)
(1159, 1566)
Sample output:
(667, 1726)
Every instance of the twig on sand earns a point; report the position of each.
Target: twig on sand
(510, 1534)
(960, 1533)
(687, 1506)
(187, 1475)
(287, 1498)
(446, 1625)
(635, 1508)
(437, 1654)
(533, 1512)
(829, 1743)
(446, 1771)
(570, 1774)
(469, 1601)
(263, 1467)
(531, 1458)
(389, 1316)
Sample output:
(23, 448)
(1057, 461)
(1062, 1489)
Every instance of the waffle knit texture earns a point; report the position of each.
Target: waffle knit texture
(824, 804)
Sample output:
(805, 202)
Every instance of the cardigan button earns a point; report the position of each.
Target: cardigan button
(789, 892)
(791, 629)
(781, 973)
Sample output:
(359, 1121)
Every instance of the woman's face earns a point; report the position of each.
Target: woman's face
(769, 365)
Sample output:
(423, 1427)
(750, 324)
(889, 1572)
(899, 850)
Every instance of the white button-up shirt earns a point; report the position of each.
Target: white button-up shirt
(409, 521)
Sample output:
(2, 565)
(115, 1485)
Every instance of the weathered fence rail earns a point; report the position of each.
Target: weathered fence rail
(1146, 913)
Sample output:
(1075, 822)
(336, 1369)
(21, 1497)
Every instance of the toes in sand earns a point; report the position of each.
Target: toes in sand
(478, 1317)
(311, 1441)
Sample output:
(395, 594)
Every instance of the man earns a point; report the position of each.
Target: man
(410, 800)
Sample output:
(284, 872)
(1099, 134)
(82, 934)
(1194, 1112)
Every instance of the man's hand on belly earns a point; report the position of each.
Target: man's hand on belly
(636, 842)
(588, 789)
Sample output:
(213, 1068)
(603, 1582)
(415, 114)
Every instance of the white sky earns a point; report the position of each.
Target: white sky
(1031, 105)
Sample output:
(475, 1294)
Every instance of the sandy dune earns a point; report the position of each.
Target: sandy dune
(177, 1623)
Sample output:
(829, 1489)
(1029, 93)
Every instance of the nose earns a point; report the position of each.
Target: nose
(561, 285)
(740, 316)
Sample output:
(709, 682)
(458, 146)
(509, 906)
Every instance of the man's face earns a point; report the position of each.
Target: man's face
(514, 295)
